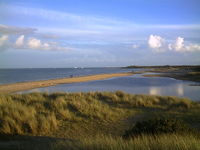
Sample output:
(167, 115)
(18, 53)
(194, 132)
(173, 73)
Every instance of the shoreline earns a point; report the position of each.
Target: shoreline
(191, 75)
(23, 86)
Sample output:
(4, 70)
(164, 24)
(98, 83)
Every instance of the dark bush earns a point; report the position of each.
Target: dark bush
(159, 126)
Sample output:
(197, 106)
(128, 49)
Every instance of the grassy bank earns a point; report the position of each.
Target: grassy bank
(80, 118)
(190, 73)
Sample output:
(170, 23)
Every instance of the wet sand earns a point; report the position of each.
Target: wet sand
(22, 86)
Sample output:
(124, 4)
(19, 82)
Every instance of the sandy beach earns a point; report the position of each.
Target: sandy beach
(22, 86)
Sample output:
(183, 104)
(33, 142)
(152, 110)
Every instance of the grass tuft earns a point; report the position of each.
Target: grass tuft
(80, 117)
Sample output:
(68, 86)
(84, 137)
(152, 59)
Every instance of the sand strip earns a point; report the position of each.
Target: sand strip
(22, 86)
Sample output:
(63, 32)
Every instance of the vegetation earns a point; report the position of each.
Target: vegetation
(157, 126)
(185, 72)
(91, 120)
(145, 142)
(167, 66)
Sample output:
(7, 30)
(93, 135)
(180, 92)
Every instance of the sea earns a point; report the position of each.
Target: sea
(134, 84)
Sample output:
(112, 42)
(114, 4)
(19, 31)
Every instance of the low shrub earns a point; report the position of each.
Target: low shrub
(157, 126)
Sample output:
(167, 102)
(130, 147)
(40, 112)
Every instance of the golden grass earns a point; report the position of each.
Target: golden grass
(45, 114)
(79, 114)
(82, 117)
(145, 142)
(16, 87)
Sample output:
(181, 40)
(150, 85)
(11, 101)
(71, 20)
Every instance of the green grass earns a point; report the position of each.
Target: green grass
(82, 116)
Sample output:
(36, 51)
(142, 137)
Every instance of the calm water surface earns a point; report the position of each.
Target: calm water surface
(135, 84)
(23, 75)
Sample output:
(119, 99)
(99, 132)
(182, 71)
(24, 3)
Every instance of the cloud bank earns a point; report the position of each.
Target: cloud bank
(20, 41)
(28, 41)
(31, 43)
(37, 44)
(3, 40)
(5, 29)
(179, 46)
(159, 44)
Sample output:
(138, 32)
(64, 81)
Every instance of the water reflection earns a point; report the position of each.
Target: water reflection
(134, 85)
(176, 90)
(180, 90)
(154, 91)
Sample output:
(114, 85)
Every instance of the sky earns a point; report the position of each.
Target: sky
(98, 33)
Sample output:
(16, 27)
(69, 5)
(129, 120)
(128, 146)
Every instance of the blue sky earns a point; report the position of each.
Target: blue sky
(98, 33)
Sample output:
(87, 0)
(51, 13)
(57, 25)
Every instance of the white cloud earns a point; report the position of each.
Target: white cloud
(193, 47)
(20, 41)
(3, 40)
(31, 43)
(37, 44)
(34, 43)
(156, 43)
(179, 46)
(46, 46)
(77, 27)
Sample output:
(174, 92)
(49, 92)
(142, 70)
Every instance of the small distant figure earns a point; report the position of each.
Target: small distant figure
(71, 76)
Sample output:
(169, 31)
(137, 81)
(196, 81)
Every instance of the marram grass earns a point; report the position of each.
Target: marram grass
(145, 142)
(80, 117)
(43, 113)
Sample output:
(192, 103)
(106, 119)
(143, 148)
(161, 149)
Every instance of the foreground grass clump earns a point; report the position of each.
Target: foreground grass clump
(73, 121)
(18, 117)
(158, 126)
(45, 114)
(144, 142)
(77, 115)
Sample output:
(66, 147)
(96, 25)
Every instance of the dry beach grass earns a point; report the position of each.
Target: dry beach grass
(93, 120)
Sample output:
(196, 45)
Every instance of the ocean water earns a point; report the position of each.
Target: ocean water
(135, 84)
(34, 74)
